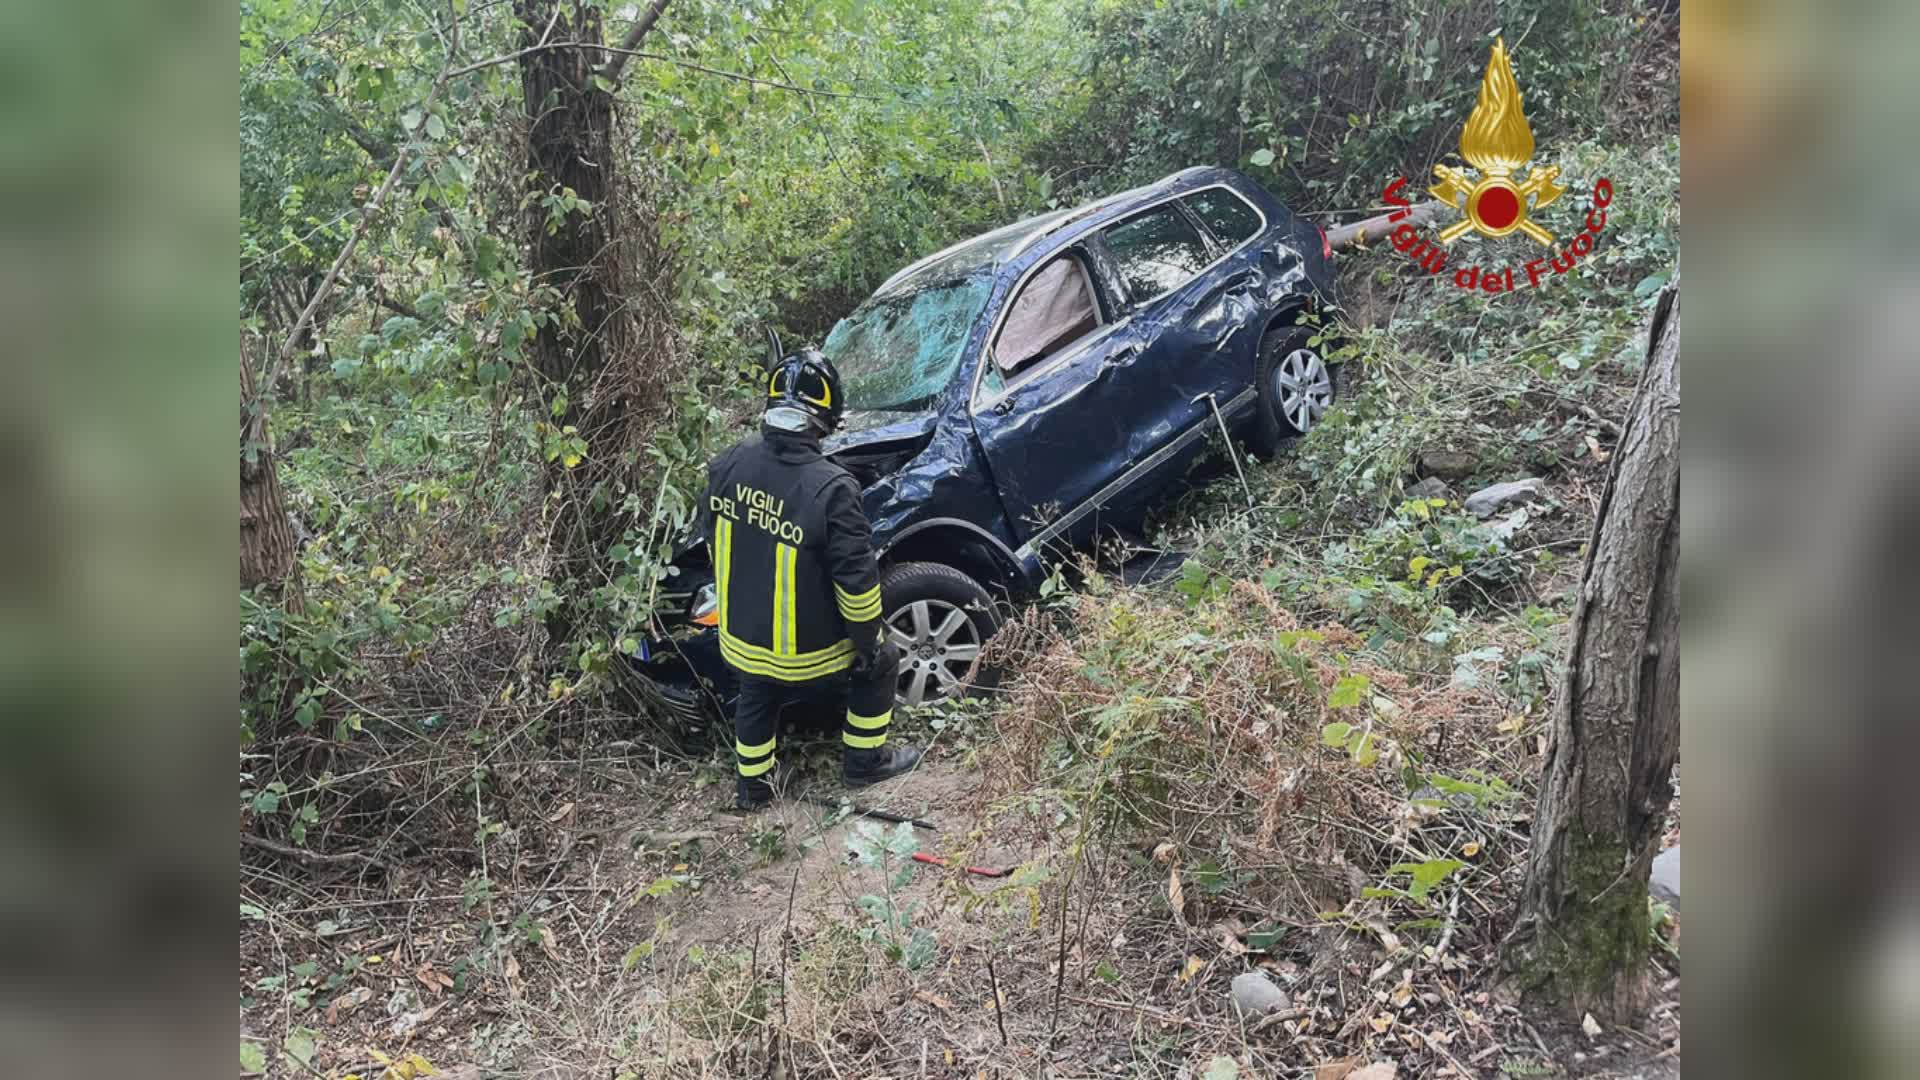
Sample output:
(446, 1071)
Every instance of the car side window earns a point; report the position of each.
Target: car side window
(1228, 216)
(1155, 251)
(1054, 308)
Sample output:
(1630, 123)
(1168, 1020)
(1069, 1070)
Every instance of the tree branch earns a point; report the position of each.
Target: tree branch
(400, 160)
(508, 58)
(632, 41)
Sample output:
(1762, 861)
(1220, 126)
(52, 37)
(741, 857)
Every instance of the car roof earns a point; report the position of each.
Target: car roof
(994, 249)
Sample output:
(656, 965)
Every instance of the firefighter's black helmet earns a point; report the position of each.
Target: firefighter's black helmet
(806, 381)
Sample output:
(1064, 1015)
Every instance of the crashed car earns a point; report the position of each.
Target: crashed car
(1022, 390)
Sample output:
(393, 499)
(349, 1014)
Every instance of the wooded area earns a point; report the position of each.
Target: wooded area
(1374, 748)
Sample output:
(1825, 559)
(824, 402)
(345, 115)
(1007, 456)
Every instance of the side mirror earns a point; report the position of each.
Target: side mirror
(773, 349)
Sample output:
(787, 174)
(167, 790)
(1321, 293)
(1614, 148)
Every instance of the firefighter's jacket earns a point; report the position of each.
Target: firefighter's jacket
(793, 559)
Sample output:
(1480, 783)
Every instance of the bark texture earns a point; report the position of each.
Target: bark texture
(602, 355)
(1581, 937)
(266, 539)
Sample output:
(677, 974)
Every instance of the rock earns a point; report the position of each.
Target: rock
(1379, 1070)
(1431, 488)
(1449, 465)
(1256, 995)
(1488, 500)
(1665, 882)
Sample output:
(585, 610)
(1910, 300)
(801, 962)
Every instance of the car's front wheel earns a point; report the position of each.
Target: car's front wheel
(940, 619)
(1296, 385)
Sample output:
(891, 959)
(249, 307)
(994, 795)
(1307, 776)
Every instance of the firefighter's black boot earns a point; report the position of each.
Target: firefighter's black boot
(858, 768)
(754, 793)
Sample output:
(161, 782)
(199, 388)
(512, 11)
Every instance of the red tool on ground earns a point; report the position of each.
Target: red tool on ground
(983, 871)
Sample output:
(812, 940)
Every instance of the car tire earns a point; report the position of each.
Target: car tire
(1281, 414)
(918, 602)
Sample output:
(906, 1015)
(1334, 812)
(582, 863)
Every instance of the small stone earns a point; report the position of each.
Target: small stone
(1489, 500)
(1255, 995)
(1431, 488)
(1449, 465)
(1665, 882)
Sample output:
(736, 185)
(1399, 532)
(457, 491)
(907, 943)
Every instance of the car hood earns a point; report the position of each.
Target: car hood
(860, 429)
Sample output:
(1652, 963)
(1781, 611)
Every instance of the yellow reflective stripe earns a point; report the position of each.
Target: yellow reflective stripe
(858, 607)
(753, 665)
(870, 723)
(748, 667)
(757, 768)
(864, 742)
(840, 648)
(784, 558)
(753, 751)
(722, 565)
(761, 667)
(782, 630)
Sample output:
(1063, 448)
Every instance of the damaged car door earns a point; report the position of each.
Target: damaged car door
(1052, 405)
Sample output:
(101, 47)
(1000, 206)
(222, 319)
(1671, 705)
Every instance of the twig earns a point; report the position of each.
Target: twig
(331, 858)
(786, 946)
(1148, 1010)
(993, 980)
(1060, 972)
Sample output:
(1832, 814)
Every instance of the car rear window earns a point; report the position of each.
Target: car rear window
(1155, 251)
(1232, 220)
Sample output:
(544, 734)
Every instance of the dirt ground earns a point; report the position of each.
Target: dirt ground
(656, 939)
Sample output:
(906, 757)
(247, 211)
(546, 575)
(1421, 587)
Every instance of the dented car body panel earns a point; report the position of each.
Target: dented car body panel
(1098, 429)
(983, 465)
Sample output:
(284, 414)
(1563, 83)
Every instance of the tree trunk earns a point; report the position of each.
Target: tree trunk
(1581, 939)
(266, 538)
(590, 357)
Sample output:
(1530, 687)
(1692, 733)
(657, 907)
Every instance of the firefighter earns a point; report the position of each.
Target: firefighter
(798, 584)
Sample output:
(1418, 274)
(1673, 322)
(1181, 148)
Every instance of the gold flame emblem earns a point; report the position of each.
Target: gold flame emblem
(1497, 141)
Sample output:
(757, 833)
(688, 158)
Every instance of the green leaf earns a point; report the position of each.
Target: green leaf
(920, 950)
(902, 842)
(1365, 750)
(410, 119)
(1335, 735)
(1351, 690)
(1650, 284)
(635, 955)
(300, 1046)
(1262, 940)
(253, 1057)
(1222, 1067)
(436, 127)
(1262, 157)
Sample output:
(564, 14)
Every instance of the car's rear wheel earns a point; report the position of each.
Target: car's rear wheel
(1296, 384)
(940, 619)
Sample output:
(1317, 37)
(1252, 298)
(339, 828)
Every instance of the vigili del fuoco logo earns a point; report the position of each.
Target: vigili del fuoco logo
(1502, 200)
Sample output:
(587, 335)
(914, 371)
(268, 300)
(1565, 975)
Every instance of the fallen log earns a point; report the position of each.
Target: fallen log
(1361, 233)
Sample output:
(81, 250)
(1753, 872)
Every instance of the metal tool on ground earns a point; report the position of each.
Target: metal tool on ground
(856, 810)
(1227, 437)
(983, 871)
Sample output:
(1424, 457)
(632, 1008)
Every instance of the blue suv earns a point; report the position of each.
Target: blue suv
(1024, 389)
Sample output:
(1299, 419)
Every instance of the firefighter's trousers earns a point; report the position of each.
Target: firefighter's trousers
(756, 717)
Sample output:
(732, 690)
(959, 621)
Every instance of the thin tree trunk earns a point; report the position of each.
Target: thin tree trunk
(266, 539)
(1581, 939)
(591, 361)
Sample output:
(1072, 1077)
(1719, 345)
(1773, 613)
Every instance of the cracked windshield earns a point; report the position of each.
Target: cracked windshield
(897, 352)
